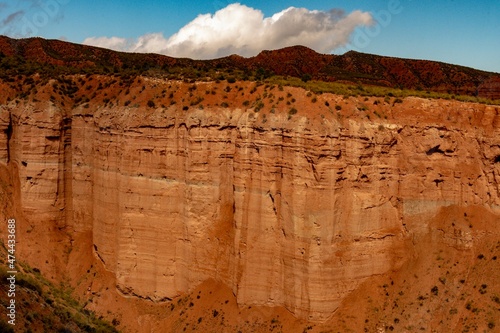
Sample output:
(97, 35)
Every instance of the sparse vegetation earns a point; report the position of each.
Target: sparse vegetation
(50, 307)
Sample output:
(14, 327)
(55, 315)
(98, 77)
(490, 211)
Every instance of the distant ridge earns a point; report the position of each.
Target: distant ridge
(298, 61)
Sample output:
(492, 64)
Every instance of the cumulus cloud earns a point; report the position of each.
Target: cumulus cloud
(238, 29)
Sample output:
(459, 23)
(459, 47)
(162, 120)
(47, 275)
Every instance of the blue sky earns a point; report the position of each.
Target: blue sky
(454, 31)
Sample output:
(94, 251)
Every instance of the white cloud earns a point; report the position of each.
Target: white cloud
(114, 43)
(245, 31)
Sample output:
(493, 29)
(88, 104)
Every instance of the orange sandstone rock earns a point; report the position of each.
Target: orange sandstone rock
(297, 211)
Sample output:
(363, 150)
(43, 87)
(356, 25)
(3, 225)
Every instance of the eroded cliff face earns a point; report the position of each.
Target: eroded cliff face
(293, 210)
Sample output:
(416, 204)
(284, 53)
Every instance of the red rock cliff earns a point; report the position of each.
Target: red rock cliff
(286, 209)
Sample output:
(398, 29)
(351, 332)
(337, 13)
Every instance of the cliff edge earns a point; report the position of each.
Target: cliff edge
(288, 198)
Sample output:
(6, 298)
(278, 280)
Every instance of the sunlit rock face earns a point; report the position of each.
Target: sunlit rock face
(296, 210)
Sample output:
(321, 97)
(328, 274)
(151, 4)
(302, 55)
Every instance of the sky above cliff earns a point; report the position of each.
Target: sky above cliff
(454, 31)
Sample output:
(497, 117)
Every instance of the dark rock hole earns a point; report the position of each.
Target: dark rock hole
(437, 181)
(434, 150)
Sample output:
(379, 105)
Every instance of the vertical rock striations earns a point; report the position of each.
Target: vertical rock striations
(294, 211)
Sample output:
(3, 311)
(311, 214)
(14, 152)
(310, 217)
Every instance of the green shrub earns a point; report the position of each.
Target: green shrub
(362, 107)
(258, 106)
(30, 283)
(197, 101)
(6, 327)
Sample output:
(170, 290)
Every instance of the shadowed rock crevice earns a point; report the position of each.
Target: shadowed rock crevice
(435, 150)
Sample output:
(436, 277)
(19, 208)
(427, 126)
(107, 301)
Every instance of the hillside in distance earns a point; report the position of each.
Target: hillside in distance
(296, 61)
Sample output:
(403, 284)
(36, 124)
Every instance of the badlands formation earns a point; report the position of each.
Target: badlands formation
(317, 212)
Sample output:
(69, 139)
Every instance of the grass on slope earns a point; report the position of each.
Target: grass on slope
(42, 306)
(345, 89)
